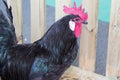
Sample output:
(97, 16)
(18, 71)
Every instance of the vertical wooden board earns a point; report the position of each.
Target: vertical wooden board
(26, 21)
(42, 17)
(59, 8)
(38, 10)
(89, 36)
(17, 17)
(113, 56)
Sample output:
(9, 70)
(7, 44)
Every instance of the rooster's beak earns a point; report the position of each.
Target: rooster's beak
(85, 22)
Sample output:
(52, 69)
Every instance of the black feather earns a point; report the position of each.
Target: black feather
(9, 11)
(45, 59)
(7, 34)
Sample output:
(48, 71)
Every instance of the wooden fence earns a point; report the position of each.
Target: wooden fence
(88, 38)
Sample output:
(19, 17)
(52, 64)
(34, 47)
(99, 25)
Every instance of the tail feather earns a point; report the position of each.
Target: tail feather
(6, 26)
(9, 11)
(7, 32)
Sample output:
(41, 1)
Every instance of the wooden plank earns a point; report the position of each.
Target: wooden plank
(38, 16)
(88, 37)
(17, 17)
(74, 73)
(113, 57)
(26, 21)
(59, 8)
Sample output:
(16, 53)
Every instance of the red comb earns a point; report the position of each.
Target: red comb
(76, 11)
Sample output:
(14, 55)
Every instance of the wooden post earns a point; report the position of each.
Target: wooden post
(38, 18)
(17, 17)
(113, 57)
(26, 21)
(89, 36)
(59, 8)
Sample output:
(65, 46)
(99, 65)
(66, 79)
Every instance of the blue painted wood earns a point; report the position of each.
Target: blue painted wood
(26, 21)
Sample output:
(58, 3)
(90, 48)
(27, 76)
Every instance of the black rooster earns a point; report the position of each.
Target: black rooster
(45, 59)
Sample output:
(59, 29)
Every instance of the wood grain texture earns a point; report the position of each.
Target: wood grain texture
(38, 16)
(113, 56)
(89, 36)
(59, 8)
(74, 73)
(17, 17)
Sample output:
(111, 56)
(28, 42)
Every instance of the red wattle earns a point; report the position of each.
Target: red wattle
(78, 29)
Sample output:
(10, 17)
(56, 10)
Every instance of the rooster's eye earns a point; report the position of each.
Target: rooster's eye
(76, 19)
(73, 20)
